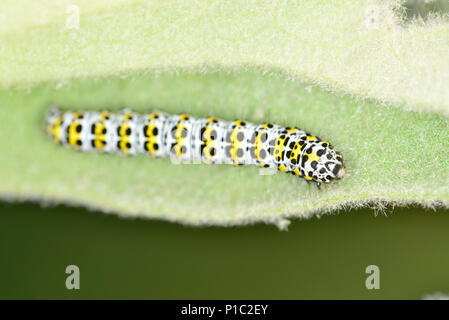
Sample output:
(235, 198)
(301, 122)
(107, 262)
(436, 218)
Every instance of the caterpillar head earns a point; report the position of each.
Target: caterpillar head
(322, 163)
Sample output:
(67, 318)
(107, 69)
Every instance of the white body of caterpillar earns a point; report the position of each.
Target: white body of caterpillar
(188, 139)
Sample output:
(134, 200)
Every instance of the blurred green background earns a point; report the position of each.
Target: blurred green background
(145, 259)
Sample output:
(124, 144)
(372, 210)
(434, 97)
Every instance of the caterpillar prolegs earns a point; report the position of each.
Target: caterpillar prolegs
(185, 138)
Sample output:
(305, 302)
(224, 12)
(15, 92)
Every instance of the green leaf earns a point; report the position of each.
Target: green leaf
(234, 59)
(391, 154)
(361, 47)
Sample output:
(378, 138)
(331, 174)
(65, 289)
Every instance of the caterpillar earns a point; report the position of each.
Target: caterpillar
(185, 138)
